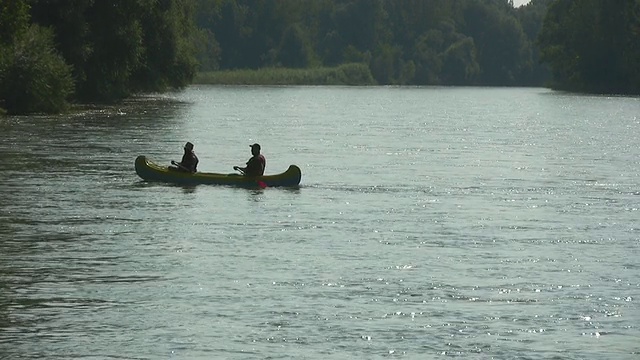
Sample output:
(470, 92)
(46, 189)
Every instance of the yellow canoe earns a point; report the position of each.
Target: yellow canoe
(150, 171)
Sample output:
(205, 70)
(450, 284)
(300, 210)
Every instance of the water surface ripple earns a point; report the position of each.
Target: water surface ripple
(431, 223)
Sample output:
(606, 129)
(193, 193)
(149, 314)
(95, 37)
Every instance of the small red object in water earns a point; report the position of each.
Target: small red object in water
(262, 184)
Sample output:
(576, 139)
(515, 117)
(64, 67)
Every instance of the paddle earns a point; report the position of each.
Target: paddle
(180, 166)
(261, 184)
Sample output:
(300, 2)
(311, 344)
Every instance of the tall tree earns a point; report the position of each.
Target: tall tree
(531, 16)
(294, 50)
(169, 45)
(120, 47)
(591, 45)
(499, 40)
(33, 76)
(14, 20)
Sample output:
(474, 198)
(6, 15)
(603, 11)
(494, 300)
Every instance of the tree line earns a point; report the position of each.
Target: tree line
(54, 51)
(403, 42)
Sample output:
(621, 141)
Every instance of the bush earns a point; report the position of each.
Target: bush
(33, 77)
(347, 74)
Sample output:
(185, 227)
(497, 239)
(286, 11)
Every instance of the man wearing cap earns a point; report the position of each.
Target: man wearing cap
(255, 165)
(189, 161)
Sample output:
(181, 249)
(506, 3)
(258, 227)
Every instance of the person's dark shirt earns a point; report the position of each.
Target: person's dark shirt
(255, 166)
(190, 161)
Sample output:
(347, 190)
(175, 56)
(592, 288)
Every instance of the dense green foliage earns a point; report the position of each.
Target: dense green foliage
(33, 76)
(418, 42)
(593, 45)
(108, 50)
(14, 20)
(120, 47)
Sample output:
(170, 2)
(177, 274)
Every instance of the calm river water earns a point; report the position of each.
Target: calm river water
(430, 223)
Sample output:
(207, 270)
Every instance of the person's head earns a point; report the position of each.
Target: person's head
(255, 149)
(188, 146)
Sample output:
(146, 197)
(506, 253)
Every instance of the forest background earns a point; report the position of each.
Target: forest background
(55, 52)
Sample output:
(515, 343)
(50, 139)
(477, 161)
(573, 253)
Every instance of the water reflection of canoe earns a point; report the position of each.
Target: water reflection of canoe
(150, 171)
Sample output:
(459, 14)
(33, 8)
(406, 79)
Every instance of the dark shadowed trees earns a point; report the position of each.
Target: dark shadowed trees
(592, 45)
(33, 76)
(121, 47)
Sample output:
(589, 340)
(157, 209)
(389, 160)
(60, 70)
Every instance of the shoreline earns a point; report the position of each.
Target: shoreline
(355, 74)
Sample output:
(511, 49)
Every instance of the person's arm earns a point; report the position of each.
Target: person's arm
(180, 166)
(243, 170)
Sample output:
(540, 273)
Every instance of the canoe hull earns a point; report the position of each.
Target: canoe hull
(150, 171)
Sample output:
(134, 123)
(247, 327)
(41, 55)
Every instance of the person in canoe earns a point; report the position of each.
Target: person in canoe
(189, 162)
(255, 165)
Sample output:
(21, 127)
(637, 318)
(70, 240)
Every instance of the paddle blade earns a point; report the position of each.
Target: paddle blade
(262, 184)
